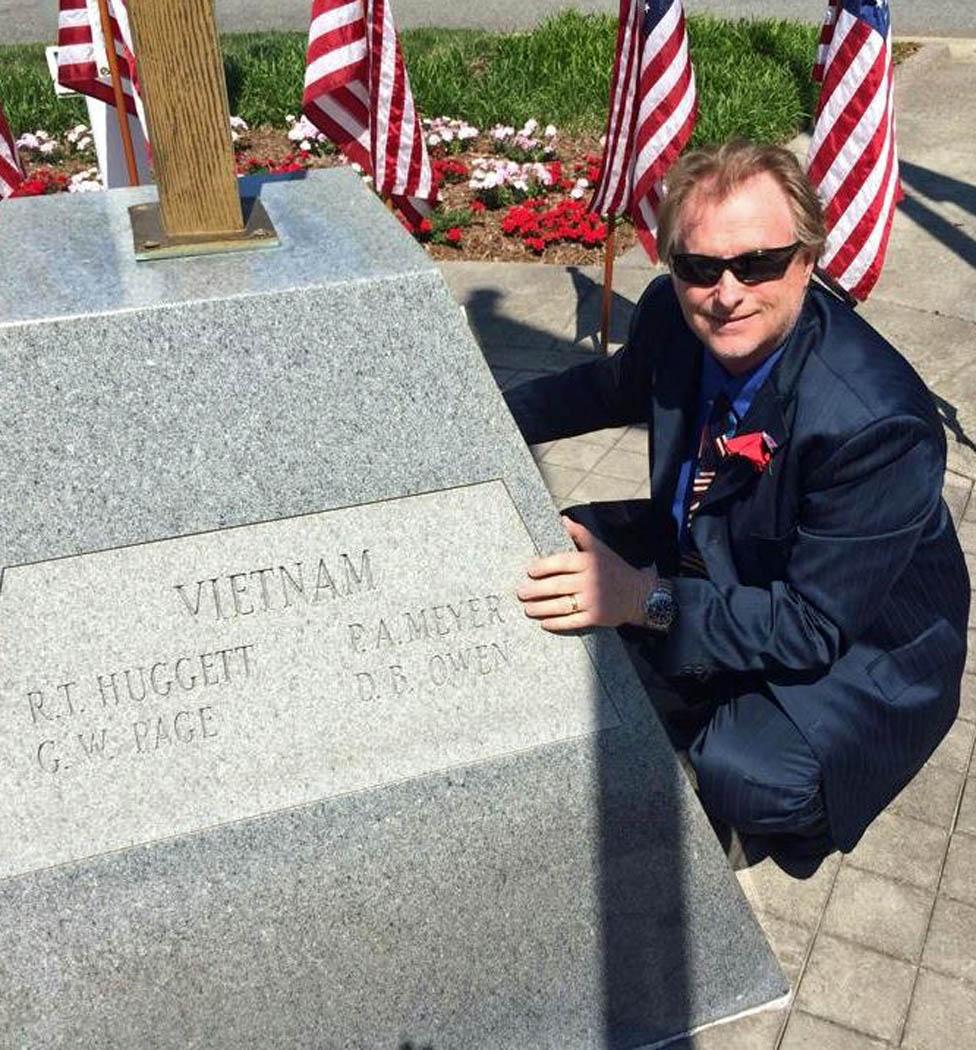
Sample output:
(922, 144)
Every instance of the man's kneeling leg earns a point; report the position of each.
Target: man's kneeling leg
(756, 773)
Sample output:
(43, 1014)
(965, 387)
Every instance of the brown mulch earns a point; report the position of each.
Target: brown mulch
(483, 240)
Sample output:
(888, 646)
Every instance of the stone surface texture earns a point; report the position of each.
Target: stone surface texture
(558, 891)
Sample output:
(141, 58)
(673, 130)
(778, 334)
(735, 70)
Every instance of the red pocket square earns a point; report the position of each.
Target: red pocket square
(756, 448)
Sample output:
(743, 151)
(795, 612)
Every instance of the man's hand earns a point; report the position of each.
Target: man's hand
(590, 587)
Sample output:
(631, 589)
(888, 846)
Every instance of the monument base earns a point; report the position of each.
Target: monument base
(282, 763)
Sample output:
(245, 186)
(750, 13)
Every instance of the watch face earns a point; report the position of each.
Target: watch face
(660, 609)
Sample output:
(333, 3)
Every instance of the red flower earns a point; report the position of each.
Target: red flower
(448, 170)
(31, 188)
(453, 235)
(537, 244)
(477, 207)
(287, 163)
(425, 226)
(756, 448)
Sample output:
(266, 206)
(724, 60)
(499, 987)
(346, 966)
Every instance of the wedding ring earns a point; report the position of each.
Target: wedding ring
(574, 602)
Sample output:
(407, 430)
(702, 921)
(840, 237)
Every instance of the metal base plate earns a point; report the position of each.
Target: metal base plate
(151, 241)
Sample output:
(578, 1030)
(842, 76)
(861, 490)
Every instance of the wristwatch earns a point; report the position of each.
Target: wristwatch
(660, 607)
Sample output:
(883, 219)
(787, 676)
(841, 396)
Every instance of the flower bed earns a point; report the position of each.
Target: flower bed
(510, 194)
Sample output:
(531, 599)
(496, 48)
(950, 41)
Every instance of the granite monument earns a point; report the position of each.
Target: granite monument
(282, 763)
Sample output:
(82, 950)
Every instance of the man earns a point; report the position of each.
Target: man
(795, 574)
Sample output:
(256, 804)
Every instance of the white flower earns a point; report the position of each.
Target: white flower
(576, 192)
(48, 147)
(433, 140)
(239, 123)
(289, 118)
(28, 141)
(305, 146)
(466, 131)
(550, 131)
(84, 143)
(303, 128)
(530, 126)
(85, 182)
(447, 135)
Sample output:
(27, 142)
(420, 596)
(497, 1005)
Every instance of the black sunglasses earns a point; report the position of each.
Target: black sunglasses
(763, 264)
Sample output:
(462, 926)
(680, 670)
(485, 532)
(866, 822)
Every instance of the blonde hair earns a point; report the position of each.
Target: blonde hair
(716, 171)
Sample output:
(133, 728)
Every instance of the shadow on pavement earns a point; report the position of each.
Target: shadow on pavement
(944, 189)
(949, 415)
(500, 333)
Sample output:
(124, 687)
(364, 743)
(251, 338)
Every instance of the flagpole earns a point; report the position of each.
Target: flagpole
(120, 109)
(838, 289)
(607, 282)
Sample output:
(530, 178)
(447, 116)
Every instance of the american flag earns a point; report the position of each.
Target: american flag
(852, 161)
(826, 34)
(357, 93)
(82, 58)
(11, 174)
(653, 107)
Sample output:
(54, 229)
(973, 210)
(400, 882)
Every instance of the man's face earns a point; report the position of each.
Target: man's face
(741, 324)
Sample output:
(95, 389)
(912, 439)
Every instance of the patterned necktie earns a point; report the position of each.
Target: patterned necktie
(718, 428)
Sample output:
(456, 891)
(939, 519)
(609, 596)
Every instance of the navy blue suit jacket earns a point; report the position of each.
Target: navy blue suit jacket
(836, 573)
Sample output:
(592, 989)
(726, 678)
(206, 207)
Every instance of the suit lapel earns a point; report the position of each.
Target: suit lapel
(676, 382)
(765, 415)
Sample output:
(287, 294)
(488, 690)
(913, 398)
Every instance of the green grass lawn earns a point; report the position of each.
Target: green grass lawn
(753, 76)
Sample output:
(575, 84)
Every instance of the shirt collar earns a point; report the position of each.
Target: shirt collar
(739, 389)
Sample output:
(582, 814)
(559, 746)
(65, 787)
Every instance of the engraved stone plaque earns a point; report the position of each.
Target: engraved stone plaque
(162, 688)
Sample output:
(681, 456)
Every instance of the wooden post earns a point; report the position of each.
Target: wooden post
(181, 80)
(121, 113)
(607, 283)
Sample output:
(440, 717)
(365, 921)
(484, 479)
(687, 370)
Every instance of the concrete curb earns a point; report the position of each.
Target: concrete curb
(919, 64)
(960, 47)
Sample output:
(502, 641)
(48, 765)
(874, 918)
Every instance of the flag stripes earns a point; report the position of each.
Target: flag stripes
(826, 35)
(852, 161)
(11, 173)
(82, 58)
(653, 108)
(358, 94)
